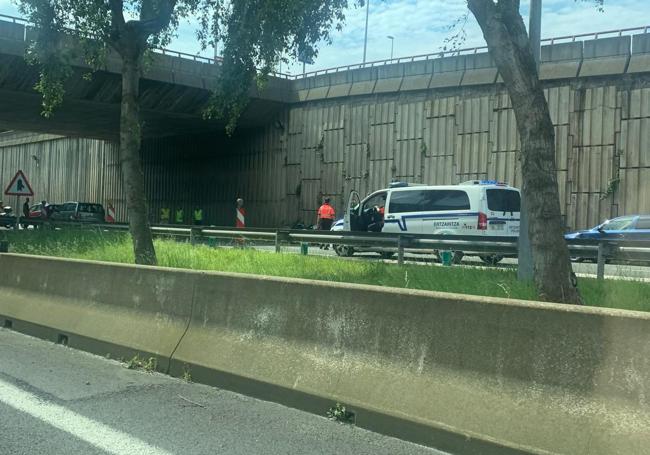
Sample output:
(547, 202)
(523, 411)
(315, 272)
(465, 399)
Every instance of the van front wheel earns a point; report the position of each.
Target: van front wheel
(491, 259)
(344, 250)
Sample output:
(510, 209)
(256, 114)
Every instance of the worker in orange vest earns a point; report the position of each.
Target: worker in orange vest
(326, 215)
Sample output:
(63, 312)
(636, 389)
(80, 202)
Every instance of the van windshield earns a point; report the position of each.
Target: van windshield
(502, 200)
(428, 201)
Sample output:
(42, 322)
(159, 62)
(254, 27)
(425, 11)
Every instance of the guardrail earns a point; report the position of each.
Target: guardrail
(599, 250)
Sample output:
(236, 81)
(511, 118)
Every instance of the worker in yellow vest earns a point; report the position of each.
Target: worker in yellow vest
(179, 217)
(198, 216)
(165, 213)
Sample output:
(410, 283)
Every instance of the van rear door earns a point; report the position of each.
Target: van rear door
(503, 211)
(351, 215)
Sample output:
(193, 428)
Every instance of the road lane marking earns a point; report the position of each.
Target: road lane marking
(95, 433)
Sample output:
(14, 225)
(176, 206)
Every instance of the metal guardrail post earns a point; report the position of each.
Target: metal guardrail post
(195, 235)
(400, 250)
(281, 236)
(600, 270)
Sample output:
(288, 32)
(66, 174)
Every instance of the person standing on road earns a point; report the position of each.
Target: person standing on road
(198, 216)
(25, 213)
(164, 215)
(44, 211)
(179, 216)
(325, 219)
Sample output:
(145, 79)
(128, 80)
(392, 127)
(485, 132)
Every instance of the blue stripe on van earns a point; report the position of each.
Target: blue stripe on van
(401, 222)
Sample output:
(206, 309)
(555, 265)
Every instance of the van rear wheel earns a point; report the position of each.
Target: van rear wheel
(491, 259)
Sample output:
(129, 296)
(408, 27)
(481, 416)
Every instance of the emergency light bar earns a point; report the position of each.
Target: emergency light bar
(484, 182)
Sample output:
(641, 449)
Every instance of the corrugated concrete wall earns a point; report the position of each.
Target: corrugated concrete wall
(187, 173)
(330, 147)
(61, 169)
(602, 137)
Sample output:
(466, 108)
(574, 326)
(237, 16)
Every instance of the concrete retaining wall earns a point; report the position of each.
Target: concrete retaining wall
(466, 374)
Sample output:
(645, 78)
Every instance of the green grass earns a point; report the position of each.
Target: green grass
(116, 247)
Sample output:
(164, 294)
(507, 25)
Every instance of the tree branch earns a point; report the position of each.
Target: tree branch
(117, 21)
(481, 9)
(154, 20)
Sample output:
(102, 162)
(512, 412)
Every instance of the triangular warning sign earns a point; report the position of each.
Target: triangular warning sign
(19, 186)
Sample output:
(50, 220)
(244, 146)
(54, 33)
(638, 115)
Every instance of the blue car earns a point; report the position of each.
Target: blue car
(632, 227)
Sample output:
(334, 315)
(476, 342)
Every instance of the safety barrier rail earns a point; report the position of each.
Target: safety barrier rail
(375, 63)
(600, 250)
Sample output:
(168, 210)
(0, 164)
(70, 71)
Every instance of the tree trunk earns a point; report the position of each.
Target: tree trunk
(509, 45)
(133, 178)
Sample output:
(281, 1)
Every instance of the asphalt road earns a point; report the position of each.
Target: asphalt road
(56, 400)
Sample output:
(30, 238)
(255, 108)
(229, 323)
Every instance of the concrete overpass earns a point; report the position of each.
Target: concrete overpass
(174, 90)
(176, 87)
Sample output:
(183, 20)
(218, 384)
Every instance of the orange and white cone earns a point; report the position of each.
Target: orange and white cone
(110, 213)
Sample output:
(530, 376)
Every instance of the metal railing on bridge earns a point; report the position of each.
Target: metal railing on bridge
(396, 60)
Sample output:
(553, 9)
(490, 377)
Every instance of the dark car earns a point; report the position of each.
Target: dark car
(85, 212)
(631, 227)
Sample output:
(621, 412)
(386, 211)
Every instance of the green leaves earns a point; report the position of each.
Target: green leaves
(256, 36)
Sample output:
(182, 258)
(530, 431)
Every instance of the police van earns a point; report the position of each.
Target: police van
(475, 207)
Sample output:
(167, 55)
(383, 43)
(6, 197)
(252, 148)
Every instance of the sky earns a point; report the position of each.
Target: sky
(421, 26)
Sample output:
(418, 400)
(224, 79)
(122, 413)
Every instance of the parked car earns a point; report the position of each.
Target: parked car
(35, 211)
(475, 207)
(84, 212)
(629, 227)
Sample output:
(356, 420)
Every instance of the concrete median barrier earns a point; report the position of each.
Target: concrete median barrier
(97, 307)
(462, 373)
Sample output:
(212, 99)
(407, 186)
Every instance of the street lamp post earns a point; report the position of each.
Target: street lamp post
(365, 38)
(392, 42)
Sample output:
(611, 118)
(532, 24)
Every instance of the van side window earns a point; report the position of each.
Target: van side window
(428, 201)
(503, 200)
(69, 207)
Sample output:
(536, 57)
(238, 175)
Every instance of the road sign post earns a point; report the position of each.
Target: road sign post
(19, 186)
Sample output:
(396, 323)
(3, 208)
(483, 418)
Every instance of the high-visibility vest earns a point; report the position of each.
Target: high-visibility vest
(164, 214)
(179, 216)
(240, 218)
(198, 215)
(326, 212)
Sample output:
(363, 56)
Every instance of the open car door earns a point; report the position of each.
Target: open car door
(352, 215)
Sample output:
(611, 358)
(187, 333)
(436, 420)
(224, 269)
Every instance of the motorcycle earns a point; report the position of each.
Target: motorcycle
(7, 217)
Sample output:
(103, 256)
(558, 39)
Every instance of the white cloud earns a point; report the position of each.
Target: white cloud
(420, 27)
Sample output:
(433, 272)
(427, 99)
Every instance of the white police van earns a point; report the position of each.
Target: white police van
(475, 207)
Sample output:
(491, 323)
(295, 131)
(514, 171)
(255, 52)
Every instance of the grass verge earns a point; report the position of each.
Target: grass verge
(116, 247)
